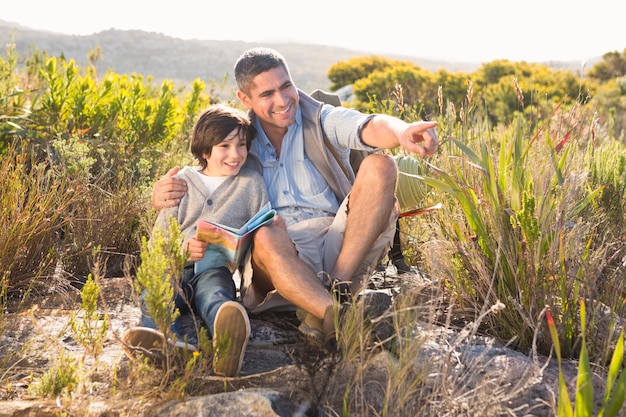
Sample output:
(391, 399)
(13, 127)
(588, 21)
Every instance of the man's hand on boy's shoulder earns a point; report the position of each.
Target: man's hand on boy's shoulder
(168, 191)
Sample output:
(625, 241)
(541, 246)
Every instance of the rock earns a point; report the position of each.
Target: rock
(247, 403)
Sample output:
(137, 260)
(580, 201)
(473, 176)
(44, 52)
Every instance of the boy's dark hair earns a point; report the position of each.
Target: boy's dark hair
(255, 61)
(214, 125)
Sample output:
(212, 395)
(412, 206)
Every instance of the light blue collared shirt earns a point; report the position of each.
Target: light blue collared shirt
(297, 191)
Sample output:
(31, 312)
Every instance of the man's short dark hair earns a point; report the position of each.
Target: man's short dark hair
(255, 61)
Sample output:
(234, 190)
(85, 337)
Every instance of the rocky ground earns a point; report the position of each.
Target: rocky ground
(282, 374)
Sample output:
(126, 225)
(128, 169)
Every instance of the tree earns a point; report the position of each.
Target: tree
(347, 72)
(613, 65)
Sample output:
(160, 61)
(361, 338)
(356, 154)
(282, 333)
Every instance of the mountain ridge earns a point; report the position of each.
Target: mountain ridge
(181, 61)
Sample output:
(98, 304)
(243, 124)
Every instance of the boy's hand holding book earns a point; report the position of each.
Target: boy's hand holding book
(196, 249)
(228, 245)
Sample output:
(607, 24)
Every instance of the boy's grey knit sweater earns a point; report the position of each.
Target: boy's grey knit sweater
(233, 203)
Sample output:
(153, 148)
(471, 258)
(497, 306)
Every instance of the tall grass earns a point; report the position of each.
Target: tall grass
(524, 225)
(35, 211)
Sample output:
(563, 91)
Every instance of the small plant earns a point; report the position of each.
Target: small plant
(615, 389)
(60, 379)
(89, 330)
(162, 259)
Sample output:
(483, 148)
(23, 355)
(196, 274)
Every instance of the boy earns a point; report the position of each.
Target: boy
(223, 191)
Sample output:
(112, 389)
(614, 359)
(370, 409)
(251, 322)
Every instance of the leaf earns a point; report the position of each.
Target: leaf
(563, 141)
(584, 383)
(564, 405)
(613, 406)
(554, 335)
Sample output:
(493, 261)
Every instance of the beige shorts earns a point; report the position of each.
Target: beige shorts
(318, 242)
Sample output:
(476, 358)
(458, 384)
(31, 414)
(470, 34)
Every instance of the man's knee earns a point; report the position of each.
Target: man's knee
(379, 168)
(379, 163)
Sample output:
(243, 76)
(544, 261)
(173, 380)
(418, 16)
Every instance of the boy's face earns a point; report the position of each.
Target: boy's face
(227, 157)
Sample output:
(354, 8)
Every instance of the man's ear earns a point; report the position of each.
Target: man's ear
(244, 99)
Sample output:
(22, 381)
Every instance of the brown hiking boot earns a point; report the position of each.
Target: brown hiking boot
(331, 323)
(232, 330)
(311, 327)
(374, 304)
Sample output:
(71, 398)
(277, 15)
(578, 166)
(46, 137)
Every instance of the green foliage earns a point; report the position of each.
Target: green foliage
(418, 86)
(7, 71)
(60, 379)
(610, 104)
(162, 260)
(538, 83)
(348, 72)
(615, 388)
(109, 137)
(88, 326)
(521, 233)
(123, 122)
(613, 65)
(607, 167)
(12, 99)
(375, 78)
(100, 224)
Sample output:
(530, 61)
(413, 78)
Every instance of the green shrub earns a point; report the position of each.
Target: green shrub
(35, 207)
(162, 260)
(61, 378)
(88, 325)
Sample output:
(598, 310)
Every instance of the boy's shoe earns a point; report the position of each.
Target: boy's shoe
(231, 332)
(144, 342)
(311, 327)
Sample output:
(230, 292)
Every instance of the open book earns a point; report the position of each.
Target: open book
(228, 244)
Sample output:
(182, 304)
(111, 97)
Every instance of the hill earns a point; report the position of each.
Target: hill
(164, 57)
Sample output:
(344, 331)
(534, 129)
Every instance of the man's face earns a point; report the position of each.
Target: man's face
(273, 97)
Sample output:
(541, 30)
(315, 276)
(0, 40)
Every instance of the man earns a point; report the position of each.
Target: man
(333, 228)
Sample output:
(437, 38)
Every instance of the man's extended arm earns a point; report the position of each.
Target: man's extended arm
(388, 132)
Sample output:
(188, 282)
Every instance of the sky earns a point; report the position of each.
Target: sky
(451, 30)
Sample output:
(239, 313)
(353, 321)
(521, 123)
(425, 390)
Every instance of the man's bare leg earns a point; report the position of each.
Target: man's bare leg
(372, 201)
(276, 265)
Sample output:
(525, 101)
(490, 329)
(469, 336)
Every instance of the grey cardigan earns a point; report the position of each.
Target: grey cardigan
(233, 203)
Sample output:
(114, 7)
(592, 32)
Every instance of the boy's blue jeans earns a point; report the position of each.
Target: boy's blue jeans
(201, 295)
